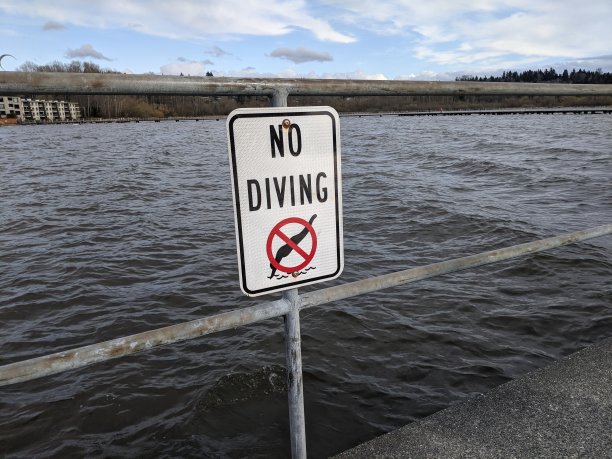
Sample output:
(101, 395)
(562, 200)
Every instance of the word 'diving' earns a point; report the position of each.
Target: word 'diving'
(278, 194)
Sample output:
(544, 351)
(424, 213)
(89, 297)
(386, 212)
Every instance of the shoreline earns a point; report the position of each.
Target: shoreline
(578, 110)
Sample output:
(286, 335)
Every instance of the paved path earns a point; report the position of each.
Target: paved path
(561, 411)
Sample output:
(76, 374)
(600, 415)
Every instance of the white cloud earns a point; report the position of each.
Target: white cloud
(186, 19)
(186, 67)
(53, 25)
(450, 32)
(86, 50)
(430, 75)
(355, 75)
(217, 52)
(251, 72)
(301, 55)
(192, 61)
(407, 36)
(589, 63)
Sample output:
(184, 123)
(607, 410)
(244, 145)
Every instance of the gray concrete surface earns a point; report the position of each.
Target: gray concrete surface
(561, 411)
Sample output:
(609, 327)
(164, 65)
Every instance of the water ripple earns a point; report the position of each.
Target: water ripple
(110, 230)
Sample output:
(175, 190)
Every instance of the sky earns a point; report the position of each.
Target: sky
(357, 39)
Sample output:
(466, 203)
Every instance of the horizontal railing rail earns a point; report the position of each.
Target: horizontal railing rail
(87, 355)
(18, 83)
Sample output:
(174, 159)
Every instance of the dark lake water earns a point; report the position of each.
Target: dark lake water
(108, 230)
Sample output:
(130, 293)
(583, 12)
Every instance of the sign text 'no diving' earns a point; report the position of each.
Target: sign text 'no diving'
(287, 188)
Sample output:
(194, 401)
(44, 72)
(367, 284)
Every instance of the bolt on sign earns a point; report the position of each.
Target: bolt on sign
(286, 183)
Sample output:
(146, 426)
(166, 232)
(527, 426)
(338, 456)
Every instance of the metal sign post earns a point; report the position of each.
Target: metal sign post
(295, 379)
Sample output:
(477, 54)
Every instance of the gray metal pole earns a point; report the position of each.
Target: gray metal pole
(279, 97)
(293, 348)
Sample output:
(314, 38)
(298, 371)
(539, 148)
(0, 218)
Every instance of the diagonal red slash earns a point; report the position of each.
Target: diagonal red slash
(292, 244)
(276, 231)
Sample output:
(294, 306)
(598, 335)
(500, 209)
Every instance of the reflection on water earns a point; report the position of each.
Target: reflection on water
(109, 230)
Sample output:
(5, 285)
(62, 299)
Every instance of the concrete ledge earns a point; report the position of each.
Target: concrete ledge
(563, 410)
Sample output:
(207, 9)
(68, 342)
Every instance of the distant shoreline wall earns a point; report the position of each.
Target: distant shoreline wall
(505, 111)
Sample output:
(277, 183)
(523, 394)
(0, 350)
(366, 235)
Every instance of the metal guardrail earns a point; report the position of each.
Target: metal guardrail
(120, 347)
(16, 83)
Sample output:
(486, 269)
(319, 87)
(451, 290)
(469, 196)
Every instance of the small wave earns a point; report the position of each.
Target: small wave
(295, 273)
(242, 387)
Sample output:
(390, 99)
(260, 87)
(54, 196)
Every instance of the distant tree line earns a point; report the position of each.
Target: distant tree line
(71, 67)
(547, 76)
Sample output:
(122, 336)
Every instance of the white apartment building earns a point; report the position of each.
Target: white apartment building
(11, 107)
(39, 110)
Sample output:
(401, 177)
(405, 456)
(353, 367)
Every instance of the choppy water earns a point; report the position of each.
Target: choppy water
(108, 230)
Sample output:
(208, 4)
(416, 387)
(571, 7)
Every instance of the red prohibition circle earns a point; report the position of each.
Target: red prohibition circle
(276, 231)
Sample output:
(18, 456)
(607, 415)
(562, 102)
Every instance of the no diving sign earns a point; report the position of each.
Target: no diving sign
(286, 182)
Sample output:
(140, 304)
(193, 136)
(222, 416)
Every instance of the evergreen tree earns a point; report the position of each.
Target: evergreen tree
(547, 76)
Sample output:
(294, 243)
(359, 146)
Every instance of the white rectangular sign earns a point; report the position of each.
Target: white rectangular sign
(287, 188)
